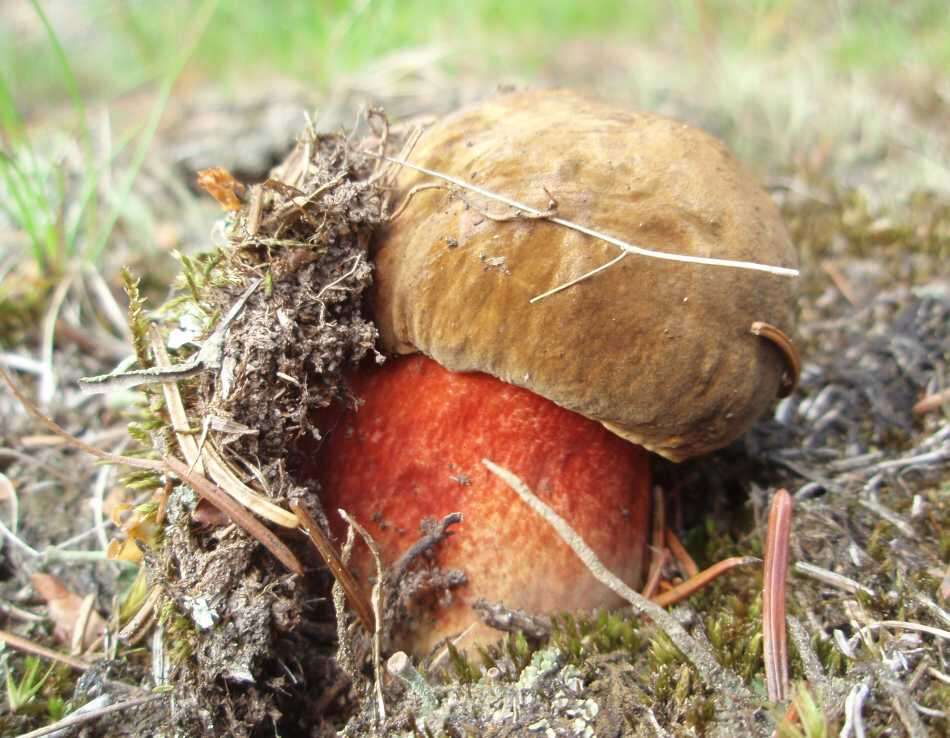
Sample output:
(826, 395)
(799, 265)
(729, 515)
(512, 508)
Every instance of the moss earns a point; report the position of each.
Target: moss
(607, 632)
(181, 638)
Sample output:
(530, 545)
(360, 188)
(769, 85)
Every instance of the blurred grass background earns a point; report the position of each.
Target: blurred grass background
(853, 92)
(114, 45)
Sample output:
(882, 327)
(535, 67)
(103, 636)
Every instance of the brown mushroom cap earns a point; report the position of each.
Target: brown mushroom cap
(659, 352)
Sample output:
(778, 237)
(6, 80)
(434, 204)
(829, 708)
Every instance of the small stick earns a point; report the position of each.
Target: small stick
(697, 582)
(831, 578)
(773, 596)
(39, 415)
(238, 514)
(438, 533)
(681, 555)
(28, 646)
(902, 625)
(727, 683)
(86, 717)
(208, 357)
(656, 569)
(612, 240)
(378, 593)
(335, 564)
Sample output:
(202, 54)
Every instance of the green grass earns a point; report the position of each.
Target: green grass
(61, 208)
(116, 46)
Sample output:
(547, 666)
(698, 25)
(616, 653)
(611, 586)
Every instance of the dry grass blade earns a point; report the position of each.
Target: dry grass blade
(79, 718)
(624, 246)
(335, 564)
(238, 514)
(683, 559)
(28, 646)
(53, 427)
(726, 683)
(212, 492)
(378, 593)
(175, 405)
(695, 583)
(218, 469)
(773, 596)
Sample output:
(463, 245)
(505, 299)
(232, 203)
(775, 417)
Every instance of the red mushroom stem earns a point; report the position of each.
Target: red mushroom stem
(412, 452)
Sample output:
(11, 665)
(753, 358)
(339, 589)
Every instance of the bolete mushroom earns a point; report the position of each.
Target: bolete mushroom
(659, 353)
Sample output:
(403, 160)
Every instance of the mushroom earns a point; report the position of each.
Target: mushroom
(567, 391)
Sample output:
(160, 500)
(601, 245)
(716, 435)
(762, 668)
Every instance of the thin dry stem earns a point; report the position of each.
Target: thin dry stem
(685, 561)
(335, 564)
(695, 583)
(612, 240)
(238, 514)
(81, 718)
(378, 595)
(28, 646)
(724, 681)
(218, 469)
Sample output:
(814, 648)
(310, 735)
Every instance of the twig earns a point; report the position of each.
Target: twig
(889, 515)
(932, 457)
(773, 596)
(619, 243)
(904, 707)
(811, 664)
(379, 589)
(438, 533)
(509, 620)
(685, 561)
(54, 427)
(695, 583)
(838, 581)
(28, 646)
(86, 717)
(712, 672)
(238, 514)
(656, 570)
(207, 357)
(902, 625)
(335, 564)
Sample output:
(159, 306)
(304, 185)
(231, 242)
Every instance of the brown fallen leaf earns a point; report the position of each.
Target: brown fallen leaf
(64, 610)
(222, 186)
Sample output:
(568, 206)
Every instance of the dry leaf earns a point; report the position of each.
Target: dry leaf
(64, 607)
(222, 186)
(125, 550)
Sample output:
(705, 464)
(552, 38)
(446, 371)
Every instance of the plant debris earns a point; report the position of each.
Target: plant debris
(247, 648)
